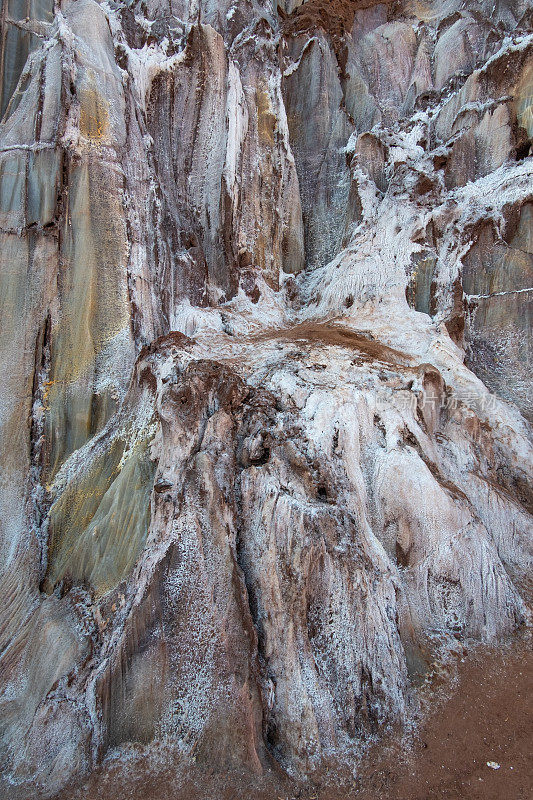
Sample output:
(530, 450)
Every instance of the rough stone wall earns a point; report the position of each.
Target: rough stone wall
(265, 343)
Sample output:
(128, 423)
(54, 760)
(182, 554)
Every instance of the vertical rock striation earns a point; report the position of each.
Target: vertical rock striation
(265, 344)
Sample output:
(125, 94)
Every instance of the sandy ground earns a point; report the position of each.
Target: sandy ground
(487, 717)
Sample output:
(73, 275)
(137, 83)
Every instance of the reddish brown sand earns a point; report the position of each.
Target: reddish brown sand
(488, 717)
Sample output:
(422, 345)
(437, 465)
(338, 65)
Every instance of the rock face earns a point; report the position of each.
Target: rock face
(266, 343)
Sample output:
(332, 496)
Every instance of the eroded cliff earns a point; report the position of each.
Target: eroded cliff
(265, 343)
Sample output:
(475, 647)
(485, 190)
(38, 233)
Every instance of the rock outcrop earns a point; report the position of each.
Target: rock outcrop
(265, 344)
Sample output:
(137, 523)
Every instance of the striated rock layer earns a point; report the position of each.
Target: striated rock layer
(265, 340)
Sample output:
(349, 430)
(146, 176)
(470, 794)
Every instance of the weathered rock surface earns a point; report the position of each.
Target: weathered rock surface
(266, 337)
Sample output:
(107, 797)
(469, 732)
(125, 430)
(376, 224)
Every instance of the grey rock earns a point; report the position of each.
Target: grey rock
(266, 353)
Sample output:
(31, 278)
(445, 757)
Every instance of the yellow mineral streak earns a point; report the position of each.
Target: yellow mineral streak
(524, 99)
(94, 310)
(99, 524)
(94, 115)
(266, 119)
(429, 10)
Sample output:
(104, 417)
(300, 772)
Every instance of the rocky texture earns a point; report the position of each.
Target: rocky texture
(265, 344)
